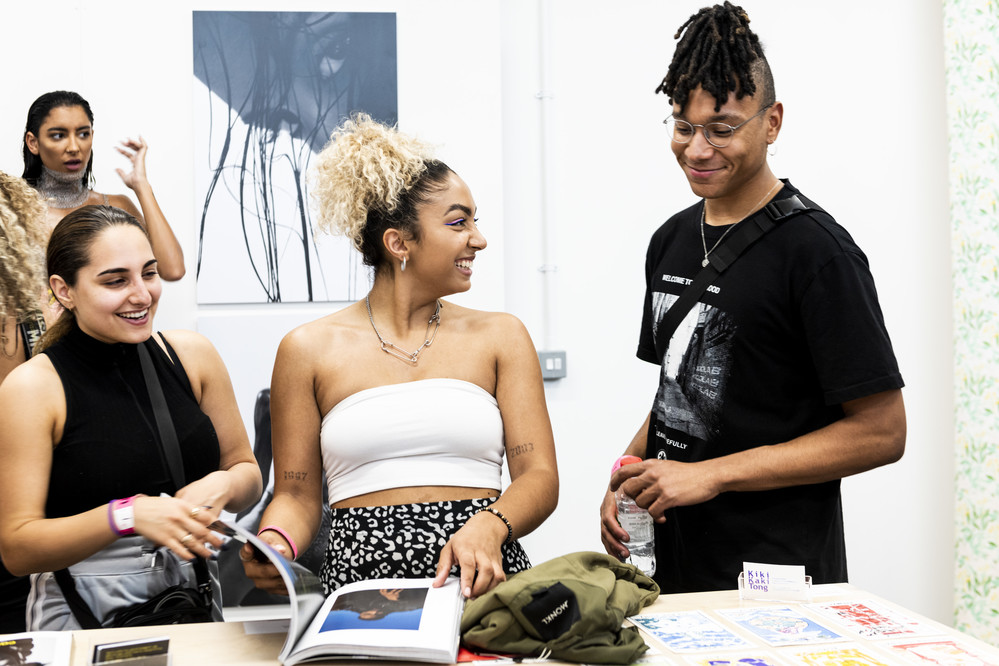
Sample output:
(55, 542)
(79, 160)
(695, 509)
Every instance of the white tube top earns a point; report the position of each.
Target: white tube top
(431, 432)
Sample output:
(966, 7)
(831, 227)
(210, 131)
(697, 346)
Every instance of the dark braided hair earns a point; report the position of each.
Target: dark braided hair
(719, 53)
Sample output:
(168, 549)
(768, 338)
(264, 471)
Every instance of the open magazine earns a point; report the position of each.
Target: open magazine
(36, 648)
(385, 618)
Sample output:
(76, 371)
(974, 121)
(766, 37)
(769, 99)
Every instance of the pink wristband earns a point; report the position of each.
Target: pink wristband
(284, 535)
(121, 516)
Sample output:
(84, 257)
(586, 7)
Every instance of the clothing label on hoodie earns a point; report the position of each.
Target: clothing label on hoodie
(552, 611)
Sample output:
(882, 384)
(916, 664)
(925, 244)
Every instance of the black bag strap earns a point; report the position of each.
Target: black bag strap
(171, 449)
(749, 231)
(168, 436)
(81, 611)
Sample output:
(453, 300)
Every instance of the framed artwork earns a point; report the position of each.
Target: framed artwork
(269, 88)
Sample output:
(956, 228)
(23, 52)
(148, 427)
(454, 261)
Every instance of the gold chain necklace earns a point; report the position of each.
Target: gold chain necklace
(399, 352)
(704, 241)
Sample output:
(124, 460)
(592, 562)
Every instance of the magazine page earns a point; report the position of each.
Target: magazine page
(39, 648)
(305, 592)
(399, 618)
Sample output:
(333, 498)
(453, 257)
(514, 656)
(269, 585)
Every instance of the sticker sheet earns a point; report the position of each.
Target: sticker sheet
(737, 659)
(688, 631)
(840, 655)
(780, 625)
(871, 620)
(944, 651)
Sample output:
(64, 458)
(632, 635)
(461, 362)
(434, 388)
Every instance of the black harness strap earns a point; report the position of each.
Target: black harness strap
(749, 231)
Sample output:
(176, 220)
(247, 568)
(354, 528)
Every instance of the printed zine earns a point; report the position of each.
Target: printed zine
(41, 648)
(386, 618)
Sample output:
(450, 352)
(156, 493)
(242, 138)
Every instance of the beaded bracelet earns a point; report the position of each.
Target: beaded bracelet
(509, 527)
(285, 535)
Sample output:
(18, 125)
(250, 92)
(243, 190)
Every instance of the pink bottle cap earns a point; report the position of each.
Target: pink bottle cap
(624, 460)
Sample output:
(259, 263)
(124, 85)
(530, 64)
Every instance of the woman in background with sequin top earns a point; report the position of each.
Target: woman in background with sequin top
(58, 162)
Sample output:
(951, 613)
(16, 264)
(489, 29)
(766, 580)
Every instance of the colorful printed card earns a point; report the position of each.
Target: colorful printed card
(840, 655)
(944, 651)
(688, 631)
(737, 659)
(781, 625)
(872, 620)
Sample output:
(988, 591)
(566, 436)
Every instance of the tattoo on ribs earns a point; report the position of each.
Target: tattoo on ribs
(527, 447)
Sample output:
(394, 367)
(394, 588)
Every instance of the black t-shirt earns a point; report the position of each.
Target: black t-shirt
(771, 350)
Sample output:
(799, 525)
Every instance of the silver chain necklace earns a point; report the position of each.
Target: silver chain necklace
(399, 352)
(704, 241)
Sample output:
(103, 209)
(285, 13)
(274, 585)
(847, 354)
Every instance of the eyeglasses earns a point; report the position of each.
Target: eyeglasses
(718, 135)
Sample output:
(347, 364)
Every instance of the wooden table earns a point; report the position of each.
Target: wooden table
(233, 642)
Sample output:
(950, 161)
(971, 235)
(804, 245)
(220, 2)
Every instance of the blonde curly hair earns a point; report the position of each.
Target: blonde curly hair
(370, 177)
(22, 245)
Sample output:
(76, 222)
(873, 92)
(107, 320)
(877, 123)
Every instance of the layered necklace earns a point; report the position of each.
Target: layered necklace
(62, 189)
(399, 352)
(704, 241)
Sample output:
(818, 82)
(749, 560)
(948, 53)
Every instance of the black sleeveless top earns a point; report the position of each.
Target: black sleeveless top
(110, 444)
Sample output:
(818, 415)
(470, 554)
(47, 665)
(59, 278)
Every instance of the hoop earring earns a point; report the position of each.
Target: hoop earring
(403, 269)
(772, 149)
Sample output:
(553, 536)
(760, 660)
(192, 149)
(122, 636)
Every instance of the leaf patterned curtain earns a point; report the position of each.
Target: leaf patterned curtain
(971, 31)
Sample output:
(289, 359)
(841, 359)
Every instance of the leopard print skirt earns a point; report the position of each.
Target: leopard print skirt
(400, 541)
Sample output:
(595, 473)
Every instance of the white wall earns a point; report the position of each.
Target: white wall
(864, 135)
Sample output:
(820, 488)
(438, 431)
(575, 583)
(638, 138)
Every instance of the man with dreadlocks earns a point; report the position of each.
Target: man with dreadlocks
(782, 379)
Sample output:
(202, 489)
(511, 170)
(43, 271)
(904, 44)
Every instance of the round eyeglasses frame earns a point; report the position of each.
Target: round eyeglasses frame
(722, 132)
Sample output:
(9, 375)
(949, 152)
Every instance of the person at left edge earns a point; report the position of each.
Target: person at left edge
(79, 430)
(22, 284)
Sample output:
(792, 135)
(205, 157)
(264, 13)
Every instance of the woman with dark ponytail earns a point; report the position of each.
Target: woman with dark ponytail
(84, 486)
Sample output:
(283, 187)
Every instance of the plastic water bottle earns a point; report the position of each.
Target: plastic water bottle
(638, 523)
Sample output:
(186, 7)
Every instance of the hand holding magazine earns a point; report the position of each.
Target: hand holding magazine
(386, 618)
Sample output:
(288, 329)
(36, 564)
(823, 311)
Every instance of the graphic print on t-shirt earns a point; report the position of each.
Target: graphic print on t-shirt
(694, 374)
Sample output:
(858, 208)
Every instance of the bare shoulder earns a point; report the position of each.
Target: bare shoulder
(35, 380)
(188, 344)
(501, 335)
(200, 358)
(493, 324)
(334, 331)
(479, 318)
(123, 202)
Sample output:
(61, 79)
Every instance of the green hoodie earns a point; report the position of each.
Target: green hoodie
(572, 606)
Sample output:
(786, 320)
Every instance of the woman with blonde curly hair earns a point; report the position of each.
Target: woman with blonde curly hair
(22, 283)
(405, 401)
(22, 271)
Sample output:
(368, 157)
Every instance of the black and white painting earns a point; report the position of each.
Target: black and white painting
(269, 89)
